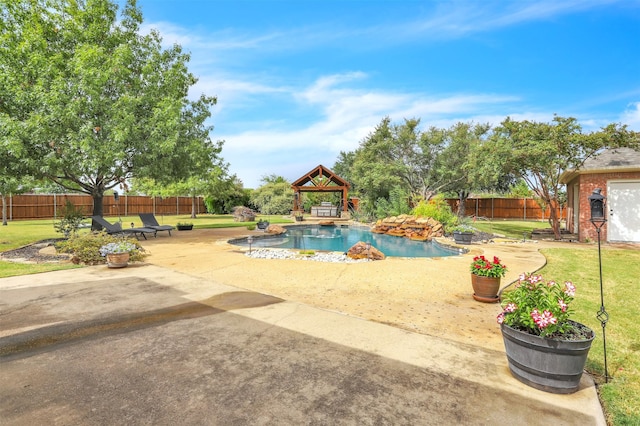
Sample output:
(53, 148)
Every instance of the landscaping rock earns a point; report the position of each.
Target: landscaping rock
(275, 230)
(362, 250)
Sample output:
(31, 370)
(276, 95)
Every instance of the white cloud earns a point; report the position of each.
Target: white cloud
(631, 117)
(345, 117)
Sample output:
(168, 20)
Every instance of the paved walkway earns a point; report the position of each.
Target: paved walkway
(149, 344)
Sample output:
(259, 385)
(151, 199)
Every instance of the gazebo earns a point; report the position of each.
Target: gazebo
(321, 179)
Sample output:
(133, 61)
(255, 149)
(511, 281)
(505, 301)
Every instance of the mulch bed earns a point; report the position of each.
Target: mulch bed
(31, 253)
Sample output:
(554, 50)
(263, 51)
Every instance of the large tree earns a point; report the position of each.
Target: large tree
(456, 166)
(398, 156)
(93, 102)
(539, 153)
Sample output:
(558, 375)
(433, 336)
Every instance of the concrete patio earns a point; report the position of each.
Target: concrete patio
(201, 334)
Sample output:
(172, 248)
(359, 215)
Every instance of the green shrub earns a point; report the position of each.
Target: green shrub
(70, 221)
(251, 227)
(437, 208)
(86, 248)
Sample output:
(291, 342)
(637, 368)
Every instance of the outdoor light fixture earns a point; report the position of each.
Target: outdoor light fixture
(250, 241)
(597, 202)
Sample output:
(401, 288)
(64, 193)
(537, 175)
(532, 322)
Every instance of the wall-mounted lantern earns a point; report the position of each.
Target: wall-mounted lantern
(597, 202)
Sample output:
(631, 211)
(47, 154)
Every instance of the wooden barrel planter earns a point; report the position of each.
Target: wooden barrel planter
(550, 365)
(461, 237)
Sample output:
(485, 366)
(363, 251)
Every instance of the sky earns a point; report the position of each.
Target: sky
(297, 82)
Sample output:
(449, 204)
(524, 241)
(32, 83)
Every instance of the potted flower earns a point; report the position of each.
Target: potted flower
(118, 253)
(262, 224)
(485, 278)
(463, 234)
(545, 349)
(184, 226)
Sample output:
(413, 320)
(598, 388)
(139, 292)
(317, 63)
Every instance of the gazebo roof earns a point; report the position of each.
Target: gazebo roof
(321, 178)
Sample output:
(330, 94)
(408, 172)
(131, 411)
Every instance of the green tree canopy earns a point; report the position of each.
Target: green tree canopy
(90, 103)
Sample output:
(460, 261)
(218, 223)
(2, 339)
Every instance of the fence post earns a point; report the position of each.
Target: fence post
(10, 206)
(177, 204)
(525, 208)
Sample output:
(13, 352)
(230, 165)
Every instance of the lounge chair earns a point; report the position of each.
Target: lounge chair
(116, 228)
(149, 221)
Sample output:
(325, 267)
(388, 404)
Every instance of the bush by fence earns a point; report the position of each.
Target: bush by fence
(39, 206)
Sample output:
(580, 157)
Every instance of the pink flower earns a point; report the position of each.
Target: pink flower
(511, 307)
(534, 279)
(500, 318)
(543, 320)
(562, 305)
(569, 289)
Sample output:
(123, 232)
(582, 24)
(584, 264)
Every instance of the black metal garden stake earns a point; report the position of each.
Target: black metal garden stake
(597, 203)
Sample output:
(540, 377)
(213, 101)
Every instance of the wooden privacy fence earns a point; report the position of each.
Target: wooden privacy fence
(36, 206)
(505, 208)
(32, 206)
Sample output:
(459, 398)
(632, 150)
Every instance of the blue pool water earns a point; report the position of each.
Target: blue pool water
(341, 238)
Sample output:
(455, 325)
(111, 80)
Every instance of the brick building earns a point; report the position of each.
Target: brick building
(617, 173)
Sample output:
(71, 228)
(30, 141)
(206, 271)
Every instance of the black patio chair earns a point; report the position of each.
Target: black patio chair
(117, 229)
(149, 221)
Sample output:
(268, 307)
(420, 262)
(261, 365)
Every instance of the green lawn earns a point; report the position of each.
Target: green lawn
(577, 263)
(510, 228)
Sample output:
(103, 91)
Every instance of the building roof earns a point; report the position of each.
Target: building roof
(614, 159)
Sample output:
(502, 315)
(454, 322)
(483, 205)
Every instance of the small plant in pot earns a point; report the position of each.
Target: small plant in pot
(463, 233)
(118, 253)
(184, 226)
(485, 278)
(262, 224)
(545, 348)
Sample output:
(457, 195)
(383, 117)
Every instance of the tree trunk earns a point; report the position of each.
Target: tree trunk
(98, 209)
(193, 206)
(462, 198)
(4, 210)
(555, 223)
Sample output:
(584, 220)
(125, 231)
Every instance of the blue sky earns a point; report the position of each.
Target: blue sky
(299, 81)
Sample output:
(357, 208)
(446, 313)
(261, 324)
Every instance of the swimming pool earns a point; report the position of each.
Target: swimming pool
(341, 237)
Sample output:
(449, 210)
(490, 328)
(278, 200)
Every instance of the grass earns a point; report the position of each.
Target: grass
(510, 228)
(578, 263)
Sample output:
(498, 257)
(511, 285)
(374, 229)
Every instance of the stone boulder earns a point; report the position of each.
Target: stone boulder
(361, 250)
(275, 230)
